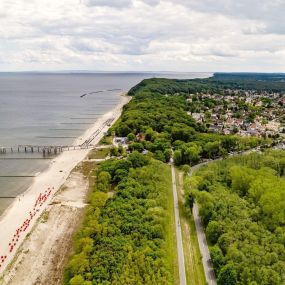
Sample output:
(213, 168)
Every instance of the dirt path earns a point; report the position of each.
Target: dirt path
(42, 256)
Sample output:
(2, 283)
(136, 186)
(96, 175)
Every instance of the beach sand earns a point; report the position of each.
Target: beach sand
(20, 218)
(43, 254)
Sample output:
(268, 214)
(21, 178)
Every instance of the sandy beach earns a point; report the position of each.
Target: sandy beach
(20, 218)
(44, 252)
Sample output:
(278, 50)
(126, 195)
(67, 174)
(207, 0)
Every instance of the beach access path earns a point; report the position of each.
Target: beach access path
(19, 219)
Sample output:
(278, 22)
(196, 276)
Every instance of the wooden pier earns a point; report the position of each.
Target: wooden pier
(51, 150)
(45, 150)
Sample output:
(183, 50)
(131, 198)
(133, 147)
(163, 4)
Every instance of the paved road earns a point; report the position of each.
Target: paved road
(204, 250)
(180, 252)
(206, 258)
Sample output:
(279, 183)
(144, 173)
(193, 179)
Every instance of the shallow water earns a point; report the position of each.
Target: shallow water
(46, 109)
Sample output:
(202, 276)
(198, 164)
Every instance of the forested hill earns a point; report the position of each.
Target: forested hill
(217, 83)
(158, 122)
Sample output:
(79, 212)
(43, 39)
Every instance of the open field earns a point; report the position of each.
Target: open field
(98, 153)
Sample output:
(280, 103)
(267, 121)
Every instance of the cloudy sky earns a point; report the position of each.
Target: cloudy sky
(141, 35)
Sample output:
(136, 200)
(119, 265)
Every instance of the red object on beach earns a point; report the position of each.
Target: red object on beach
(42, 198)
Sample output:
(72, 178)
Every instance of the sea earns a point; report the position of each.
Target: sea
(53, 109)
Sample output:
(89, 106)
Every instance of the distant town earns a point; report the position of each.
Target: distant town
(245, 113)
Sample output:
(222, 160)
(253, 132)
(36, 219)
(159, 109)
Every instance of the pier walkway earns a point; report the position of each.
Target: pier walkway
(48, 150)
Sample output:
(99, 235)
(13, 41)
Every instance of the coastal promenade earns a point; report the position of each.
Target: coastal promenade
(19, 219)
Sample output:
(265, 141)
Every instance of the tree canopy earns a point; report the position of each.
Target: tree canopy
(124, 238)
(242, 204)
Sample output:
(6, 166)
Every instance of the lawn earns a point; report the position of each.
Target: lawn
(98, 153)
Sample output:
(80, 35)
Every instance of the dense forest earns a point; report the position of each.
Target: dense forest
(127, 233)
(216, 84)
(274, 82)
(242, 204)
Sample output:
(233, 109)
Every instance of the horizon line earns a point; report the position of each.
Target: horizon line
(74, 71)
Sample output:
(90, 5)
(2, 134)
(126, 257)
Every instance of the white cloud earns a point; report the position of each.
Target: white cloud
(269, 13)
(186, 35)
(109, 3)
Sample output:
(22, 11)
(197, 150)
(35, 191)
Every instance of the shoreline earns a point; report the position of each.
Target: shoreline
(45, 258)
(20, 217)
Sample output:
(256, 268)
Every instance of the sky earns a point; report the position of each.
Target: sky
(142, 35)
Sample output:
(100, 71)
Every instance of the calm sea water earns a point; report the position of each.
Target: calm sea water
(46, 109)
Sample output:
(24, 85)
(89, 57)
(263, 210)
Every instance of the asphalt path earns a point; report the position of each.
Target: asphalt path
(204, 250)
(206, 258)
(180, 252)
